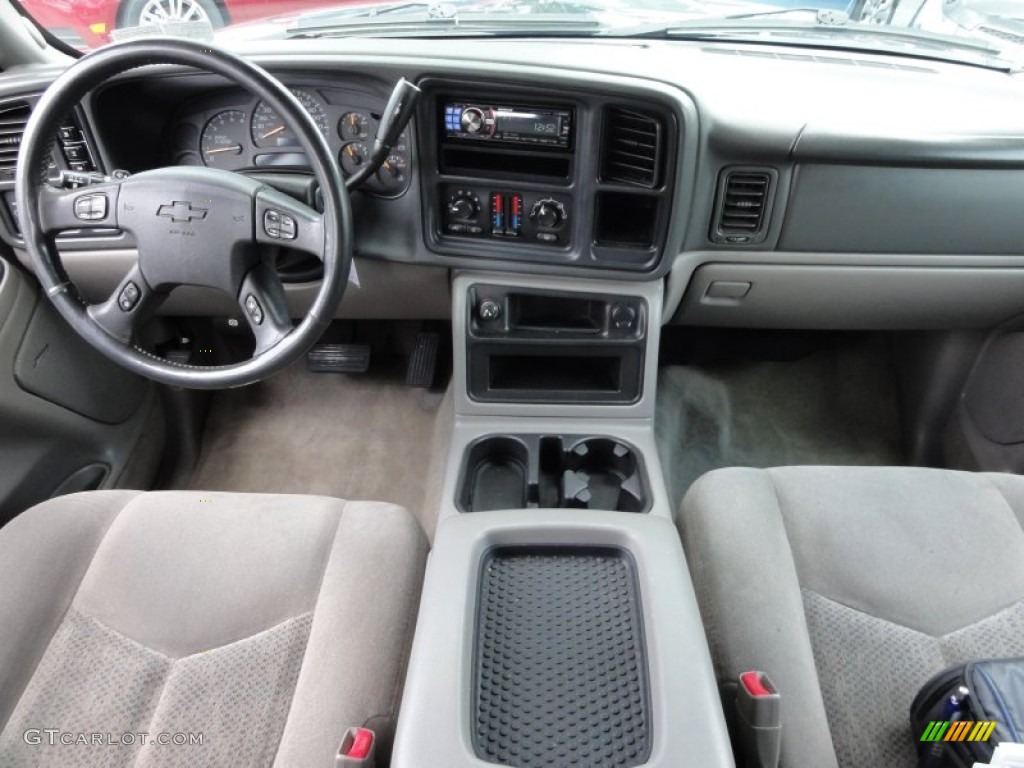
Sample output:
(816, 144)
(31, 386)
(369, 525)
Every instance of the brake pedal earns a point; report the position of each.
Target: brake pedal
(338, 358)
(423, 361)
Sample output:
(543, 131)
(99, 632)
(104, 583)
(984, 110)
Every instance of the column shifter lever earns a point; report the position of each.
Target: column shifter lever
(399, 110)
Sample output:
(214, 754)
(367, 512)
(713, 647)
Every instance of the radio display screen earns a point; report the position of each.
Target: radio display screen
(528, 123)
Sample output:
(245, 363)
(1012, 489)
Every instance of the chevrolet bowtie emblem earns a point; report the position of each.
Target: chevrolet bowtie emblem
(179, 211)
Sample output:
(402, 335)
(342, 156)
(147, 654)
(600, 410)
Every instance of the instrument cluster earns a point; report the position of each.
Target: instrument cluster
(235, 133)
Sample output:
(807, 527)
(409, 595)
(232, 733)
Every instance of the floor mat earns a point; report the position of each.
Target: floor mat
(837, 406)
(355, 437)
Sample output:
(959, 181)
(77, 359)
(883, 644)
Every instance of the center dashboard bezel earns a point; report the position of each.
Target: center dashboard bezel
(581, 188)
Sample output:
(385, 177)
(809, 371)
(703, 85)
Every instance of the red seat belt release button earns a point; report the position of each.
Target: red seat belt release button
(755, 685)
(356, 749)
(758, 721)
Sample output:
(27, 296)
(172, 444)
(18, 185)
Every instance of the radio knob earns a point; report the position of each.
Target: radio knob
(473, 120)
(548, 214)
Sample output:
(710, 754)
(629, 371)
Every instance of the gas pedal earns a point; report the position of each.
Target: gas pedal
(423, 361)
(338, 358)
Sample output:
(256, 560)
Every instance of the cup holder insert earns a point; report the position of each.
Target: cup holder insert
(497, 475)
(553, 471)
(601, 473)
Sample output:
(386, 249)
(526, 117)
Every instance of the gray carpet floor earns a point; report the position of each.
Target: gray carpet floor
(836, 407)
(351, 436)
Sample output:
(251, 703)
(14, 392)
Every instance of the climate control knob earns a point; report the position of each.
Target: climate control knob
(548, 214)
(463, 206)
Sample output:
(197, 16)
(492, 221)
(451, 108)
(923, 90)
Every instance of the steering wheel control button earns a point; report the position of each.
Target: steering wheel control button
(279, 226)
(252, 306)
(128, 297)
(91, 207)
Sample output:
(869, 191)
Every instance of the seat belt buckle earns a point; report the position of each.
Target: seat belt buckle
(356, 749)
(759, 720)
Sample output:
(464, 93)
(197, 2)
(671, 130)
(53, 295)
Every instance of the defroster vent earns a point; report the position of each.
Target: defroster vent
(744, 204)
(13, 117)
(632, 148)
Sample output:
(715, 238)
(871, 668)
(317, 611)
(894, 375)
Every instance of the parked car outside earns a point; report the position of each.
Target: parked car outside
(88, 24)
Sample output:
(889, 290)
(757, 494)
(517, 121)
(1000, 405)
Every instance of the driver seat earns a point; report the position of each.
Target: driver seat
(266, 624)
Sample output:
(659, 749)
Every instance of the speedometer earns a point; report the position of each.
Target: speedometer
(270, 131)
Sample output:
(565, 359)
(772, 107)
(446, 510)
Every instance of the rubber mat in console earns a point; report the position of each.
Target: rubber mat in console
(560, 667)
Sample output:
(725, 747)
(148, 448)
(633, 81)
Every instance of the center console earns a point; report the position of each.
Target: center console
(558, 624)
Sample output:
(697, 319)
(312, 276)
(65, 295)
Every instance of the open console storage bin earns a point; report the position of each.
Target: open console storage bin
(551, 471)
(560, 670)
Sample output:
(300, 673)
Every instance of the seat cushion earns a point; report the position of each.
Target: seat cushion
(851, 587)
(263, 625)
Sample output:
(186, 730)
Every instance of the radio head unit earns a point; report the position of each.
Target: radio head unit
(509, 124)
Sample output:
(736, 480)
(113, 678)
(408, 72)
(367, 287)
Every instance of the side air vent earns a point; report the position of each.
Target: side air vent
(632, 149)
(744, 205)
(13, 117)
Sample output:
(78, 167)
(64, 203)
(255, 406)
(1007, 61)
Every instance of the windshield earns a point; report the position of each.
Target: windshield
(977, 31)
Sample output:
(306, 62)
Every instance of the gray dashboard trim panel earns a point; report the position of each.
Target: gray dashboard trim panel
(919, 148)
(852, 290)
(840, 297)
(385, 291)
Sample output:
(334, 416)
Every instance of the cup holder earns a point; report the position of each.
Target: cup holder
(552, 471)
(601, 473)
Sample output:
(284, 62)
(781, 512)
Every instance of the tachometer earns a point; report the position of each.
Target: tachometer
(223, 139)
(269, 130)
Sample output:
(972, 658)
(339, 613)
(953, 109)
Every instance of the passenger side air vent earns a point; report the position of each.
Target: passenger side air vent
(632, 149)
(744, 205)
(13, 117)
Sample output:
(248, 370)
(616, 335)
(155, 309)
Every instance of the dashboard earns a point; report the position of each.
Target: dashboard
(762, 185)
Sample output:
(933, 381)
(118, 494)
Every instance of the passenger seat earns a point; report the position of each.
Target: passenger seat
(851, 587)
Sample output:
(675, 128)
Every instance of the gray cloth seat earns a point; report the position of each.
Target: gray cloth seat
(263, 625)
(851, 587)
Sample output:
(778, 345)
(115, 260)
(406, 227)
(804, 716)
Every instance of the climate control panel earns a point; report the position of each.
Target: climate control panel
(506, 214)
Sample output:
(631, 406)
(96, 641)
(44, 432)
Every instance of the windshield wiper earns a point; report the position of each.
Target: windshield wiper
(424, 19)
(747, 28)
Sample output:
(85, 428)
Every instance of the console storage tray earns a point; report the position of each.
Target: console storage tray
(560, 645)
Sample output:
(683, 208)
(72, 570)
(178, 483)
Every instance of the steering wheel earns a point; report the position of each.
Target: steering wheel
(192, 226)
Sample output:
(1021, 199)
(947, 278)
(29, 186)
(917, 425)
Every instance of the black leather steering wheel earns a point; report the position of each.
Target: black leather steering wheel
(192, 226)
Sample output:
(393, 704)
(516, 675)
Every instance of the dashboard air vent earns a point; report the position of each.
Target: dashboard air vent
(632, 149)
(744, 203)
(13, 117)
